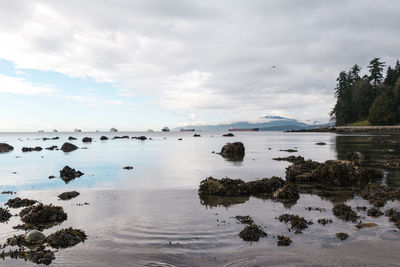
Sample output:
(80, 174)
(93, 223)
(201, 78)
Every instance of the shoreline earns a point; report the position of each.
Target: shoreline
(351, 129)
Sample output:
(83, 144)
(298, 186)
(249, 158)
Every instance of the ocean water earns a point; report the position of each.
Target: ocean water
(152, 215)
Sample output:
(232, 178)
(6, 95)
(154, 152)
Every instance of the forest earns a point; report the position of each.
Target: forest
(373, 99)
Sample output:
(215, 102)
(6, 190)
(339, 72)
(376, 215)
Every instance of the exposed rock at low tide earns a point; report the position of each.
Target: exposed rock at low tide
(71, 138)
(252, 233)
(297, 223)
(344, 212)
(228, 135)
(52, 147)
(87, 139)
(342, 236)
(324, 221)
(42, 214)
(291, 159)
(284, 240)
(35, 237)
(394, 216)
(233, 151)
(320, 144)
(121, 137)
(68, 174)
(128, 168)
(288, 193)
(5, 215)
(68, 195)
(196, 135)
(378, 195)
(50, 138)
(103, 138)
(5, 147)
(245, 219)
(374, 212)
(68, 147)
(290, 150)
(30, 149)
(66, 238)
(19, 202)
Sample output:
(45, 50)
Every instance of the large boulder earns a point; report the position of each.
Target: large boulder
(5, 147)
(233, 151)
(68, 147)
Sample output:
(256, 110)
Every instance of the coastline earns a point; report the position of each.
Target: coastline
(352, 129)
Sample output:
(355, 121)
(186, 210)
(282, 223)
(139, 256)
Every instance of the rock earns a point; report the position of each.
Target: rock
(290, 159)
(128, 168)
(374, 212)
(324, 221)
(8, 192)
(40, 255)
(68, 174)
(5, 147)
(68, 147)
(41, 214)
(35, 237)
(365, 225)
(71, 138)
(233, 151)
(5, 215)
(47, 138)
(180, 139)
(196, 135)
(288, 193)
(86, 139)
(18, 202)
(252, 233)
(393, 163)
(265, 186)
(320, 143)
(103, 138)
(30, 149)
(66, 238)
(228, 135)
(298, 224)
(394, 216)
(377, 195)
(52, 177)
(342, 236)
(345, 212)
(52, 147)
(245, 219)
(331, 172)
(142, 138)
(284, 240)
(289, 150)
(310, 208)
(121, 137)
(68, 195)
(354, 156)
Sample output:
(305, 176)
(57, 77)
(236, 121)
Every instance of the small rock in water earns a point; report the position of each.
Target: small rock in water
(86, 139)
(284, 240)
(320, 143)
(196, 135)
(252, 233)
(68, 195)
(245, 219)
(52, 147)
(71, 138)
(30, 149)
(66, 238)
(342, 236)
(68, 174)
(35, 237)
(68, 147)
(233, 151)
(128, 168)
(345, 212)
(228, 135)
(5, 147)
(289, 150)
(104, 138)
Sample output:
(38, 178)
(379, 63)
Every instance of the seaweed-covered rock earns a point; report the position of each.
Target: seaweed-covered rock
(342, 236)
(310, 208)
(71, 138)
(223, 187)
(345, 212)
(68, 195)
(52, 147)
(35, 237)
(245, 219)
(393, 163)
(331, 172)
(86, 139)
(284, 240)
(127, 168)
(394, 216)
(298, 224)
(212, 201)
(265, 186)
(42, 214)
(288, 193)
(290, 150)
(362, 225)
(377, 195)
(320, 143)
(103, 138)
(324, 221)
(5, 215)
(40, 255)
(68, 147)
(290, 158)
(252, 233)
(228, 135)
(354, 156)
(233, 151)
(68, 174)
(196, 135)
(374, 212)
(5, 147)
(19, 202)
(142, 138)
(66, 238)
(30, 149)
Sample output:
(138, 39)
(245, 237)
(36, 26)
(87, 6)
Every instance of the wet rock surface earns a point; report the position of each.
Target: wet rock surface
(42, 214)
(50, 138)
(19, 202)
(5, 147)
(290, 159)
(393, 163)
(68, 195)
(344, 212)
(288, 193)
(5, 215)
(86, 139)
(394, 216)
(121, 137)
(320, 143)
(71, 138)
(66, 238)
(244, 219)
(378, 195)
(68, 147)
(233, 151)
(30, 149)
(252, 233)
(374, 212)
(284, 241)
(228, 135)
(342, 236)
(297, 223)
(103, 138)
(34, 237)
(290, 150)
(68, 174)
(324, 221)
(52, 148)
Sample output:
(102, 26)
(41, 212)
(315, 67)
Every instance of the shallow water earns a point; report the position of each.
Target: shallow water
(151, 215)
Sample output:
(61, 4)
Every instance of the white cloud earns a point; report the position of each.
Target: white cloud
(16, 85)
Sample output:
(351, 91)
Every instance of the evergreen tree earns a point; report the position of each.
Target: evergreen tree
(376, 71)
(361, 100)
(383, 111)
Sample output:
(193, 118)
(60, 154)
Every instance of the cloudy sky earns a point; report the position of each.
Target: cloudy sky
(97, 64)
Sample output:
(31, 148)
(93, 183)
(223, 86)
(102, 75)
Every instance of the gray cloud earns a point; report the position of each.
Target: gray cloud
(206, 57)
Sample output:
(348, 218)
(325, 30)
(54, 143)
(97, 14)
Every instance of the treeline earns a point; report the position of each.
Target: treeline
(375, 97)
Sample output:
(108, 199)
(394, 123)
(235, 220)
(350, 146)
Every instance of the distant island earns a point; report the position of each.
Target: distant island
(373, 99)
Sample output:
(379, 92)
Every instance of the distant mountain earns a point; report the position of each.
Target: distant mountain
(265, 123)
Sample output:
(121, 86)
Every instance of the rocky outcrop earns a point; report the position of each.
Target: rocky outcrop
(344, 212)
(71, 138)
(5, 147)
(228, 135)
(42, 214)
(233, 151)
(68, 147)
(68, 174)
(19, 202)
(252, 233)
(66, 238)
(288, 193)
(103, 138)
(87, 139)
(68, 195)
(30, 149)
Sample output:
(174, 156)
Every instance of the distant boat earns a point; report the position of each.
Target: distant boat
(77, 130)
(113, 130)
(150, 130)
(186, 130)
(244, 130)
(165, 129)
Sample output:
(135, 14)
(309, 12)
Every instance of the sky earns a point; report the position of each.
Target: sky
(134, 65)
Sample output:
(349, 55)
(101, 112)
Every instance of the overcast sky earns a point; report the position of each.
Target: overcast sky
(145, 64)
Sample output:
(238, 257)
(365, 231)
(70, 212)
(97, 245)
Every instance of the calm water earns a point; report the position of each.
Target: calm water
(151, 215)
